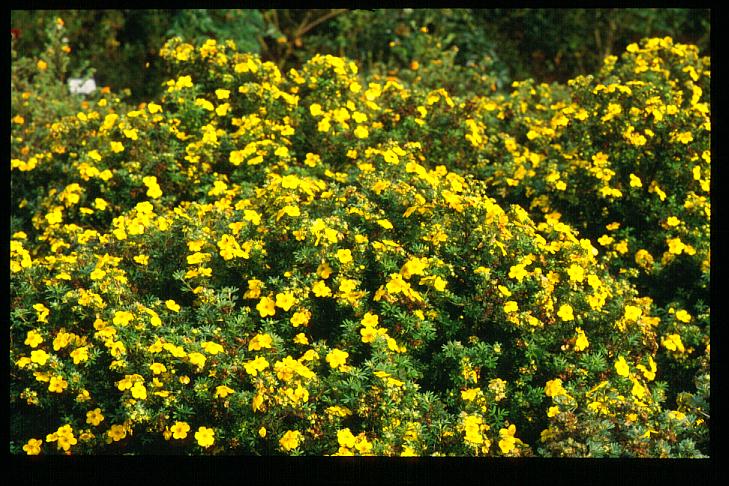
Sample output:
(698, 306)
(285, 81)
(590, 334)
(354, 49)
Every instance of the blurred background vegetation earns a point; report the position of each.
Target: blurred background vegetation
(121, 46)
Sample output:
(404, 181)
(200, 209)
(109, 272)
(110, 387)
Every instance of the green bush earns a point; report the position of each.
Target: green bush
(122, 46)
(625, 157)
(544, 44)
(560, 44)
(259, 262)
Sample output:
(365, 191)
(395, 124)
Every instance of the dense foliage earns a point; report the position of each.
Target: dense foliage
(317, 261)
(544, 44)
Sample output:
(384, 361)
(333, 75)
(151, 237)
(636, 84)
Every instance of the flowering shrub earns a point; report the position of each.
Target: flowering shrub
(625, 157)
(300, 263)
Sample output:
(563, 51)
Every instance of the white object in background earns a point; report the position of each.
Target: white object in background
(81, 86)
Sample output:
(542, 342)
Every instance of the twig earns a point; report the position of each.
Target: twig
(321, 19)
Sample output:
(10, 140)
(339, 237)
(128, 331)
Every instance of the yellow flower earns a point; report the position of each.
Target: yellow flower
(621, 366)
(172, 305)
(176, 351)
(374, 90)
(337, 358)
(117, 432)
(125, 383)
(64, 437)
(581, 343)
(259, 342)
(312, 159)
(397, 284)
(344, 256)
(673, 342)
(204, 104)
(675, 246)
(80, 354)
(266, 307)
(554, 388)
(290, 440)
(439, 284)
(292, 211)
(518, 272)
(315, 109)
(55, 216)
(254, 366)
(370, 320)
(674, 414)
(205, 436)
(511, 306)
(252, 216)
(141, 259)
(139, 391)
(122, 318)
(33, 338)
(324, 270)
(504, 290)
(565, 312)
(309, 355)
(222, 110)
(62, 340)
(94, 417)
(632, 313)
(685, 137)
(345, 438)
(42, 65)
(57, 384)
(180, 430)
(222, 94)
(153, 189)
(320, 289)
(638, 390)
(197, 359)
(236, 157)
(472, 427)
(42, 312)
(33, 447)
(576, 273)
(155, 108)
(361, 132)
(470, 394)
(301, 338)
(508, 441)
(696, 171)
(212, 348)
(157, 368)
(644, 258)
(39, 356)
(285, 300)
(223, 391)
(369, 334)
(324, 125)
(656, 188)
(300, 318)
(254, 289)
(635, 181)
(683, 316)
(131, 134)
(649, 374)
